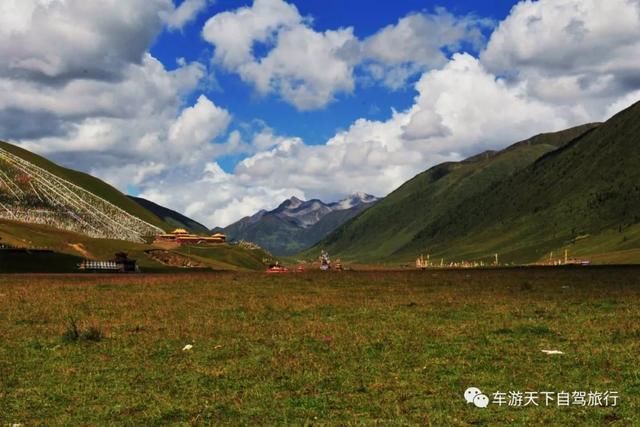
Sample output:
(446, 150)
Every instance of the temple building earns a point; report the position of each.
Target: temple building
(180, 236)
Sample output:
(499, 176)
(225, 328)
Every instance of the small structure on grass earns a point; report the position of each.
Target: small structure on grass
(277, 268)
(421, 262)
(121, 263)
(325, 261)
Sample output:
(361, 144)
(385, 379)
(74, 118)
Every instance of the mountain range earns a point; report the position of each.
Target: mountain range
(576, 190)
(295, 224)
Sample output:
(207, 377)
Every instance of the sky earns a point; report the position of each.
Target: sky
(220, 108)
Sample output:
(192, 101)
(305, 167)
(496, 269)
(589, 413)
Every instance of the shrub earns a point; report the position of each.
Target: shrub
(92, 334)
(74, 333)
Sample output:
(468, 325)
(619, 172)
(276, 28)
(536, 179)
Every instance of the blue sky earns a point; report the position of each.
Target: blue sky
(220, 108)
(315, 127)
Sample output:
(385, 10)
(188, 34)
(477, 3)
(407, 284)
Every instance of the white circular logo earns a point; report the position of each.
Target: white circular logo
(481, 401)
(471, 393)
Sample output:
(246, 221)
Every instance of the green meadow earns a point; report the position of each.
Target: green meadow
(351, 348)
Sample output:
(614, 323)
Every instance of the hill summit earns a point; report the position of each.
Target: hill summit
(297, 224)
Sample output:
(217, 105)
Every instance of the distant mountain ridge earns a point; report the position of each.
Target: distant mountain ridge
(297, 224)
(171, 217)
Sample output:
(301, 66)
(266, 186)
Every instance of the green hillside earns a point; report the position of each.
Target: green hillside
(89, 183)
(277, 234)
(171, 217)
(69, 248)
(584, 197)
(389, 229)
(47, 217)
(229, 257)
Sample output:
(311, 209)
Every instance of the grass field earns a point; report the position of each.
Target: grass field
(70, 248)
(352, 348)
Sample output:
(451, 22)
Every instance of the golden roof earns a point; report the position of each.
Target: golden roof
(179, 231)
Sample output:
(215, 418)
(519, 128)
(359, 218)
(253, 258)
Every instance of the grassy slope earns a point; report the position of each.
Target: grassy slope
(330, 222)
(171, 217)
(589, 188)
(270, 232)
(68, 244)
(67, 254)
(321, 349)
(89, 183)
(61, 241)
(228, 257)
(392, 224)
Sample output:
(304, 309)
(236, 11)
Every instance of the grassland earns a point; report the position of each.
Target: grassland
(359, 348)
(70, 248)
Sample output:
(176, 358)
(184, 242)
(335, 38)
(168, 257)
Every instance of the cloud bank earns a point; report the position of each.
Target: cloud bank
(80, 86)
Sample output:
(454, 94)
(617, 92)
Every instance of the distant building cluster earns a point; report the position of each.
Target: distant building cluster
(182, 237)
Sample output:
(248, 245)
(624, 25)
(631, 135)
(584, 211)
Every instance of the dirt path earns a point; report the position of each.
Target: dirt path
(79, 247)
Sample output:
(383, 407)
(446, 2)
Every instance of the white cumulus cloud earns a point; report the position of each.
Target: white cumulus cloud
(61, 40)
(569, 51)
(185, 12)
(234, 33)
(418, 42)
(78, 84)
(198, 125)
(309, 68)
(459, 110)
(306, 68)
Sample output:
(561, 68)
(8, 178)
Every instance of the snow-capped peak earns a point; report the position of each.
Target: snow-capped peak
(355, 199)
(294, 202)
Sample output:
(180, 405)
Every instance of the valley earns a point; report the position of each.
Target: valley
(576, 190)
(319, 213)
